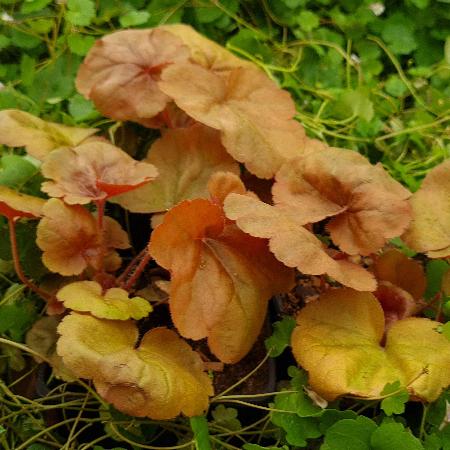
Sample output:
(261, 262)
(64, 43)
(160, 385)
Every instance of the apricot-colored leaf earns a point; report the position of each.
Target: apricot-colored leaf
(338, 341)
(221, 184)
(70, 239)
(121, 71)
(160, 379)
(114, 235)
(42, 338)
(93, 171)
(14, 205)
(205, 52)
(21, 129)
(430, 229)
(406, 273)
(373, 217)
(368, 207)
(293, 244)
(87, 296)
(249, 109)
(185, 159)
(221, 278)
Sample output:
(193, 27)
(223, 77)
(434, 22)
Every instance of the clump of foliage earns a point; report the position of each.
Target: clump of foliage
(243, 200)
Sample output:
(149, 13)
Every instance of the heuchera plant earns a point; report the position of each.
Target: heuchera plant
(227, 251)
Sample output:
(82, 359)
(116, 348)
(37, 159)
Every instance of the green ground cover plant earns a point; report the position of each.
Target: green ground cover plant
(264, 141)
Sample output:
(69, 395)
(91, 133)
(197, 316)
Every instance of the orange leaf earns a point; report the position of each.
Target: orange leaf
(121, 71)
(14, 205)
(21, 129)
(185, 159)
(70, 240)
(401, 271)
(249, 109)
(367, 205)
(291, 243)
(160, 379)
(93, 171)
(430, 229)
(221, 277)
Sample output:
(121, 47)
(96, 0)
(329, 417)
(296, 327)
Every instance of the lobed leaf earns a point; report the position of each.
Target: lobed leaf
(114, 304)
(69, 237)
(21, 129)
(350, 433)
(281, 336)
(185, 159)
(338, 341)
(160, 379)
(121, 71)
(226, 417)
(93, 171)
(247, 107)
(430, 229)
(298, 428)
(366, 205)
(393, 435)
(291, 243)
(396, 400)
(221, 278)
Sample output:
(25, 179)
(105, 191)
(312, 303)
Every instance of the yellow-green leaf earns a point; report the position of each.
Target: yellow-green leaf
(87, 296)
(160, 379)
(21, 129)
(339, 342)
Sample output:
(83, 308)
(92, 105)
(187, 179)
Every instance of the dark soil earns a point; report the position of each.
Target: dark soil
(260, 382)
(307, 289)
